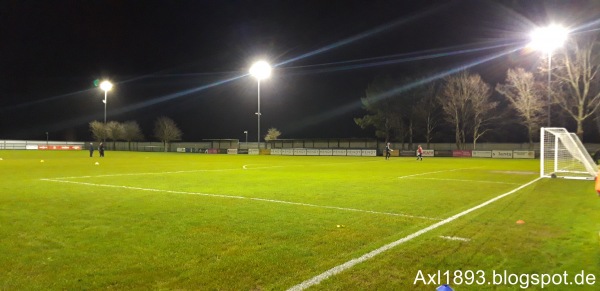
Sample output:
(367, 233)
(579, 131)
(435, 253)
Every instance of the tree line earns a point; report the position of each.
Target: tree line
(165, 130)
(406, 109)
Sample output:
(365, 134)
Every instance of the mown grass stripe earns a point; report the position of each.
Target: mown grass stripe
(241, 197)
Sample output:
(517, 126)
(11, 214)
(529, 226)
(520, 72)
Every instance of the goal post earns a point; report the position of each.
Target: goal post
(562, 155)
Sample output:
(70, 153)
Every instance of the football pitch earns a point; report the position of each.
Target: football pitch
(174, 221)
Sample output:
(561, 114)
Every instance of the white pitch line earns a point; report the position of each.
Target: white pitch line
(144, 189)
(427, 173)
(147, 173)
(455, 238)
(245, 167)
(348, 163)
(347, 209)
(241, 197)
(461, 180)
(349, 264)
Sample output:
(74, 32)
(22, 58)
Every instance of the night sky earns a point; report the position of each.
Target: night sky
(189, 60)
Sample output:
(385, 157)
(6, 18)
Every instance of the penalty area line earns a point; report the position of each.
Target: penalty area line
(242, 197)
(455, 238)
(141, 174)
(346, 209)
(349, 264)
(427, 173)
(143, 189)
(463, 180)
(247, 167)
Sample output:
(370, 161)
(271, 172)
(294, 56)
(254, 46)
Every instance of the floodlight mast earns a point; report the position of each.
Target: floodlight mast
(105, 86)
(260, 70)
(547, 39)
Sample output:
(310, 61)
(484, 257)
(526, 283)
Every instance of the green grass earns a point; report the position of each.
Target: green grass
(169, 221)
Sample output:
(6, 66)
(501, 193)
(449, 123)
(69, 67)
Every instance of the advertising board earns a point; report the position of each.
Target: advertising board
(56, 147)
(461, 153)
(326, 152)
(523, 154)
(312, 152)
(299, 152)
(496, 154)
(481, 154)
(369, 153)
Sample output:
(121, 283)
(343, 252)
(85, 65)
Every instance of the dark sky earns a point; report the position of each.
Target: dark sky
(188, 60)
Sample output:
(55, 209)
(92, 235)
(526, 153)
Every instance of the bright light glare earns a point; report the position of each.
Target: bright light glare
(260, 70)
(106, 85)
(549, 38)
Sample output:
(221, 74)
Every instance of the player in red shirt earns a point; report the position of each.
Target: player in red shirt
(419, 153)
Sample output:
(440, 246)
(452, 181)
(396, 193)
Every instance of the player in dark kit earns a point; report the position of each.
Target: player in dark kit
(388, 151)
(101, 150)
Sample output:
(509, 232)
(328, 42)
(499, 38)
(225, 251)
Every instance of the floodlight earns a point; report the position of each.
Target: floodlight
(106, 85)
(549, 38)
(260, 70)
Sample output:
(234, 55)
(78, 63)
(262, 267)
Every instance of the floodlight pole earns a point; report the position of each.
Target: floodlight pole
(547, 39)
(258, 114)
(549, 85)
(246, 132)
(105, 86)
(260, 70)
(105, 101)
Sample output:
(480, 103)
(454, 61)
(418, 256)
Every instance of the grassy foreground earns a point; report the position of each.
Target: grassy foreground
(141, 221)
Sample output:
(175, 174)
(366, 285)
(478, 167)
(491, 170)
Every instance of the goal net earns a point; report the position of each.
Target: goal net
(562, 155)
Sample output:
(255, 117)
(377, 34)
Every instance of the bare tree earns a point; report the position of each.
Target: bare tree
(465, 100)
(481, 106)
(427, 113)
(526, 98)
(454, 101)
(114, 131)
(411, 91)
(577, 71)
(272, 134)
(98, 130)
(166, 131)
(132, 132)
